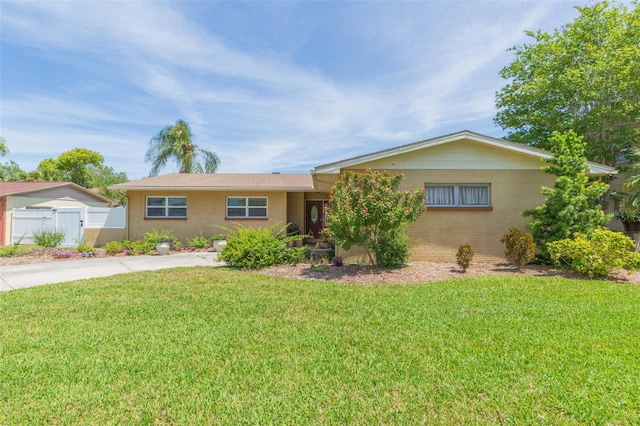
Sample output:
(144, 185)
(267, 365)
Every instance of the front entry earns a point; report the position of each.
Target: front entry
(314, 214)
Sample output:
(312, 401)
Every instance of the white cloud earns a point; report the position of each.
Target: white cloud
(430, 66)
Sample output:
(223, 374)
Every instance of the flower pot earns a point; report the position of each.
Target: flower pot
(218, 245)
(163, 247)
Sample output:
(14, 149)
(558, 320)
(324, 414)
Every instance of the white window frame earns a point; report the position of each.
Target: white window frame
(456, 194)
(248, 208)
(166, 207)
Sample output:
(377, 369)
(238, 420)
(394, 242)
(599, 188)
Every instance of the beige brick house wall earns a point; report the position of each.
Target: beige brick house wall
(437, 234)
(206, 211)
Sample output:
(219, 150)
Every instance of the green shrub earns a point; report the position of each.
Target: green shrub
(520, 248)
(114, 247)
(392, 249)
(254, 248)
(597, 254)
(199, 241)
(464, 256)
(48, 238)
(143, 246)
(12, 250)
(295, 255)
(154, 237)
(83, 247)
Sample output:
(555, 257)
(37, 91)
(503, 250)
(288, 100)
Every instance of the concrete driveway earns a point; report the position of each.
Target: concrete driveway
(23, 276)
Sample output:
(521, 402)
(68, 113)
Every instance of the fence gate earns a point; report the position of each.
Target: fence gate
(69, 221)
(27, 222)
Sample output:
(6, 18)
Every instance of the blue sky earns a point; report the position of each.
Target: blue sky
(278, 86)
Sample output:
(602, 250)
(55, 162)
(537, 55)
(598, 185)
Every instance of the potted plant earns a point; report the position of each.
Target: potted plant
(630, 218)
(293, 230)
(629, 215)
(163, 246)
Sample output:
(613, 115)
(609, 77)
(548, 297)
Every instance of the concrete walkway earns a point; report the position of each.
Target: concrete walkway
(23, 276)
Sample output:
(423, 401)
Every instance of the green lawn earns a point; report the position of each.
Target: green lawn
(215, 346)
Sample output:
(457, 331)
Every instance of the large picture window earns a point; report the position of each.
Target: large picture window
(246, 207)
(467, 195)
(172, 207)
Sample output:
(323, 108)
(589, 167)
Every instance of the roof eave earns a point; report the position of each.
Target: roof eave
(74, 185)
(216, 188)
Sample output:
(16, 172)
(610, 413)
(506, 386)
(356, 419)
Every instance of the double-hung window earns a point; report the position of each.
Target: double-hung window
(169, 207)
(247, 207)
(458, 195)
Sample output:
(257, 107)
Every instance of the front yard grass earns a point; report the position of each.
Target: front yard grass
(216, 346)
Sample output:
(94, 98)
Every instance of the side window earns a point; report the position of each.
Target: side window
(458, 195)
(247, 207)
(169, 207)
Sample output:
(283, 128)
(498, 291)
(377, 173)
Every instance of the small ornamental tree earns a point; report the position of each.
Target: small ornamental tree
(366, 209)
(571, 204)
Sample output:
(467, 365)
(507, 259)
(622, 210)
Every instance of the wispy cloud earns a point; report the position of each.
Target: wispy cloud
(406, 72)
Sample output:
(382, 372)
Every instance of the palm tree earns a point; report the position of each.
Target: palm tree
(175, 142)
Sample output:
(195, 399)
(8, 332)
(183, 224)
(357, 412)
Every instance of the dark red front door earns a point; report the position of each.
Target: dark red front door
(314, 218)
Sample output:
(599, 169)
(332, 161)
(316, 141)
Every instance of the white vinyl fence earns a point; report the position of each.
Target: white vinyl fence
(69, 220)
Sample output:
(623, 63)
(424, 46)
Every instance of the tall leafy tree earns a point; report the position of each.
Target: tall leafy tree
(3, 147)
(103, 176)
(47, 171)
(176, 142)
(571, 205)
(11, 172)
(584, 76)
(74, 164)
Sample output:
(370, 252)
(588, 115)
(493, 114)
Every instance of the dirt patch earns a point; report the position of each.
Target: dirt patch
(421, 272)
(416, 272)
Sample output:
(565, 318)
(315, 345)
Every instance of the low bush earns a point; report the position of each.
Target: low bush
(199, 241)
(12, 250)
(295, 255)
(83, 247)
(48, 238)
(254, 248)
(597, 254)
(154, 237)
(392, 249)
(464, 256)
(61, 253)
(520, 248)
(114, 247)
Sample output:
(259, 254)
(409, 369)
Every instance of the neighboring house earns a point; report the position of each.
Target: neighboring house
(65, 200)
(476, 188)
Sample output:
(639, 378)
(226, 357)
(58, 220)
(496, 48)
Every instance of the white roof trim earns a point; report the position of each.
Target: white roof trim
(334, 168)
(60, 185)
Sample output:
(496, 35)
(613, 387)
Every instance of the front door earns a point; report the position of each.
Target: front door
(314, 214)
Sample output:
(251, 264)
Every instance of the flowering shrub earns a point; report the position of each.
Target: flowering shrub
(366, 209)
(60, 253)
